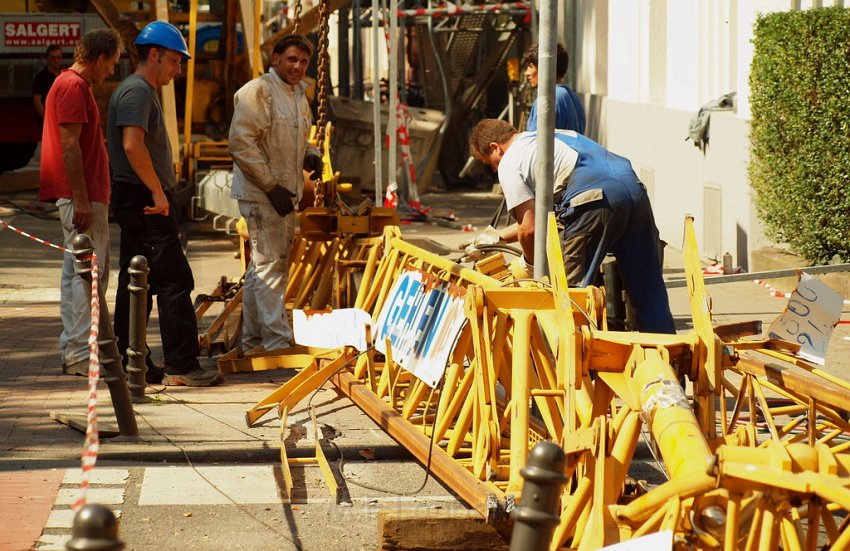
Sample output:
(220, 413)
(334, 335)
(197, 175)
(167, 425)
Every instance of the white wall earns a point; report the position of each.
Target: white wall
(644, 68)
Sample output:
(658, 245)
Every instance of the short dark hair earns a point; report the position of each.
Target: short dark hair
(144, 50)
(562, 59)
(52, 48)
(96, 43)
(297, 40)
(489, 131)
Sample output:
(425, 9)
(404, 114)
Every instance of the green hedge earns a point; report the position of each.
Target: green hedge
(800, 130)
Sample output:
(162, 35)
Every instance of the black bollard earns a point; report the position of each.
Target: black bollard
(138, 350)
(110, 358)
(95, 529)
(615, 297)
(537, 514)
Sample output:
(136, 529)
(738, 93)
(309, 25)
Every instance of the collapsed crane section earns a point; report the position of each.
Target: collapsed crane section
(535, 362)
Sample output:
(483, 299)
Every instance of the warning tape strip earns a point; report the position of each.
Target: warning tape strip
(92, 443)
(34, 238)
(402, 117)
(774, 292)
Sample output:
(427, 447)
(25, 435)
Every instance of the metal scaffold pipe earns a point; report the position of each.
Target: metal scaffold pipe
(545, 132)
(392, 94)
(376, 100)
(451, 10)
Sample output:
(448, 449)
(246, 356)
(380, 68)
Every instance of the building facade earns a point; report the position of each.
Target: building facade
(644, 69)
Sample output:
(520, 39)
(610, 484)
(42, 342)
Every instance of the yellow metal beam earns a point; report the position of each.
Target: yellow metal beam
(307, 380)
(484, 497)
(593, 387)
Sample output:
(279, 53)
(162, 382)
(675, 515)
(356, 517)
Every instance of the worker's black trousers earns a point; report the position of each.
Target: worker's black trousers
(621, 224)
(156, 237)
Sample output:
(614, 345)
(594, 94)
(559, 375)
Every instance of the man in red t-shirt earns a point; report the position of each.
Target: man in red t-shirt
(75, 174)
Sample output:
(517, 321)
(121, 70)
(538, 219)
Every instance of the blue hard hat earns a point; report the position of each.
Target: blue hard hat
(160, 33)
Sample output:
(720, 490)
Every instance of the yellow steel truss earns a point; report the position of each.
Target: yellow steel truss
(769, 471)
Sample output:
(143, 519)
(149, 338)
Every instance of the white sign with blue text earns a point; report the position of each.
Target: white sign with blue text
(421, 317)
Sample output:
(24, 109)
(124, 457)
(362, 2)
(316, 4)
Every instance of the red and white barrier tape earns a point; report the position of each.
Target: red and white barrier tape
(92, 444)
(450, 9)
(774, 292)
(34, 238)
(402, 117)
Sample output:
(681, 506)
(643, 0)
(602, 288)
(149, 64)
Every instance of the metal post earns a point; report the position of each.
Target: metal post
(376, 105)
(545, 168)
(343, 54)
(95, 528)
(138, 350)
(614, 301)
(392, 119)
(110, 358)
(536, 516)
(357, 53)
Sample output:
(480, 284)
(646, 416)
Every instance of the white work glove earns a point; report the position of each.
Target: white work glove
(490, 236)
(521, 269)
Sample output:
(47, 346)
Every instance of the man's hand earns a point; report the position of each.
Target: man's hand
(281, 200)
(313, 165)
(160, 203)
(82, 216)
(489, 236)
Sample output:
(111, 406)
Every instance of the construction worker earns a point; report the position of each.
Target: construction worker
(142, 179)
(601, 207)
(75, 174)
(268, 141)
(44, 79)
(569, 111)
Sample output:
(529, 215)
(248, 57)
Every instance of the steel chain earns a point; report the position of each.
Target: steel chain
(296, 17)
(226, 296)
(322, 76)
(324, 62)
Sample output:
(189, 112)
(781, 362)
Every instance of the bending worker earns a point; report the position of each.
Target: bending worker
(600, 204)
(268, 142)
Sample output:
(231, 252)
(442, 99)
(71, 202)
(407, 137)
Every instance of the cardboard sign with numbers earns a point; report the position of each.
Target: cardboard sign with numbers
(809, 318)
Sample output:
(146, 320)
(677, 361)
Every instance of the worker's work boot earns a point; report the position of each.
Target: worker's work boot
(80, 368)
(196, 377)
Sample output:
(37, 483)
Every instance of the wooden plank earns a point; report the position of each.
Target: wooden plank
(483, 496)
(79, 421)
(418, 529)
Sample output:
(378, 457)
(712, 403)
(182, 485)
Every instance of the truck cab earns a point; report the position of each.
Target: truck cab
(24, 38)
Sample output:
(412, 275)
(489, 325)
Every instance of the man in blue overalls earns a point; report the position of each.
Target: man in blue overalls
(601, 207)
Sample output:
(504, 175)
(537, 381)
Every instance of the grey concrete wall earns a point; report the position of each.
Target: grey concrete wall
(712, 186)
